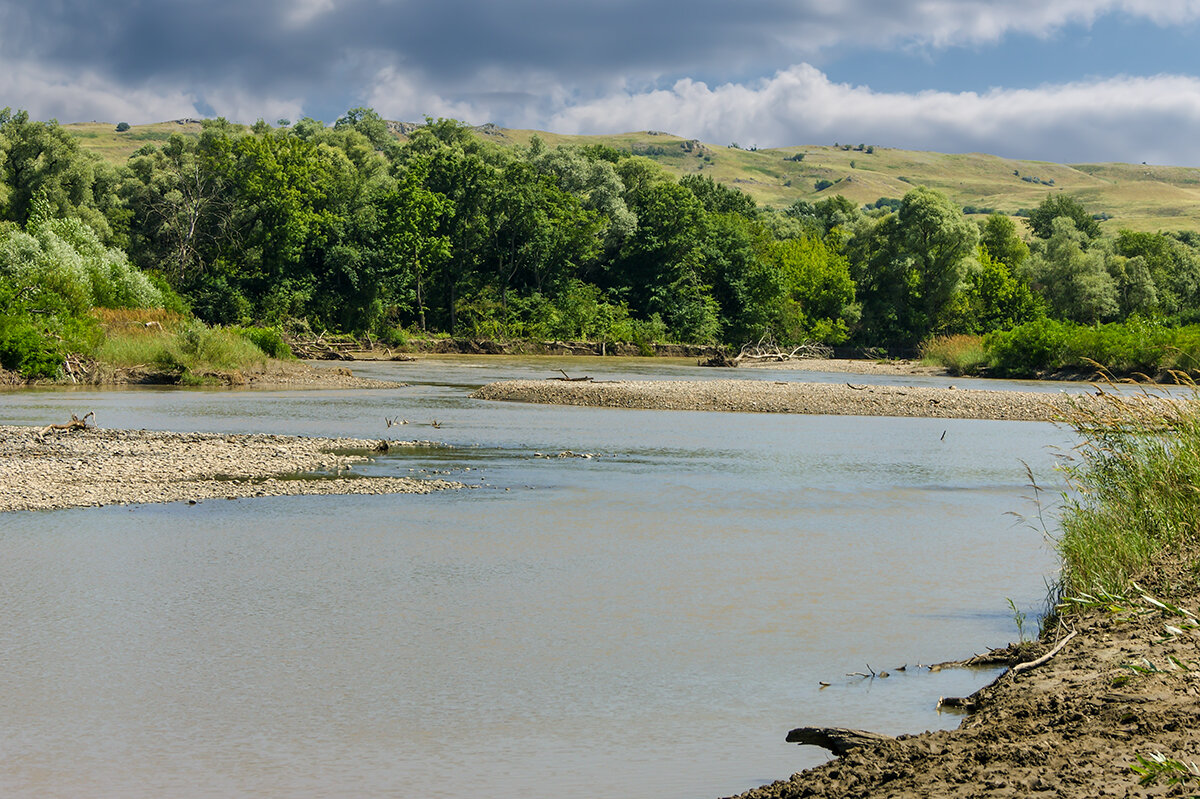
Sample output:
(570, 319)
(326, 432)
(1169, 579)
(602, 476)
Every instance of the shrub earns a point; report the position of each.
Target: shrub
(25, 349)
(1027, 349)
(268, 339)
(122, 127)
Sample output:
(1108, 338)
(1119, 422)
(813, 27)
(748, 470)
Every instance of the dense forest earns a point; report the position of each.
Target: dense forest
(347, 228)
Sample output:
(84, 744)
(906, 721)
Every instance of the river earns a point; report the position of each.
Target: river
(648, 621)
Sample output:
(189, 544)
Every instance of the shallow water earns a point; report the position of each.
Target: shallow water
(650, 621)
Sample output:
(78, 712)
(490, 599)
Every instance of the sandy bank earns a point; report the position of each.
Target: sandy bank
(787, 397)
(81, 468)
(1125, 685)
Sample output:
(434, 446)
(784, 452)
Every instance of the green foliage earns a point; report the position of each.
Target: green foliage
(1135, 346)
(122, 127)
(268, 339)
(26, 349)
(1028, 349)
(1062, 206)
(348, 229)
(998, 235)
(994, 297)
(1154, 766)
(910, 268)
(41, 160)
(1074, 279)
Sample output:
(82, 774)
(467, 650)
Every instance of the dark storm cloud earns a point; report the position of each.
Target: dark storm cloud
(749, 71)
(330, 49)
(267, 45)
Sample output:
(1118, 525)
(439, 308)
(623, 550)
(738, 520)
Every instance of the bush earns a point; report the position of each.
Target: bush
(122, 127)
(1131, 347)
(1027, 349)
(25, 349)
(267, 339)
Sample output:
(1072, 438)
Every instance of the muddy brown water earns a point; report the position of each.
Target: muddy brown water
(648, 621)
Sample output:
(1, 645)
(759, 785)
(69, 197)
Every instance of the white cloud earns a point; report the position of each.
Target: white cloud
(76, 96)
(243, 106)
(1130, 119)
(944, 23)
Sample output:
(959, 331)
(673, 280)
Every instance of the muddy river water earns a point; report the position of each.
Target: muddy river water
(648, 621)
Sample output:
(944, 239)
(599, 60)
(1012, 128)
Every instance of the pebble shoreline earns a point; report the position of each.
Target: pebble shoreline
(789, 397)
(87, 468)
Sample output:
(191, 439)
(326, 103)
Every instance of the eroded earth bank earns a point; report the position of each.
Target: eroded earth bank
(1127, 685)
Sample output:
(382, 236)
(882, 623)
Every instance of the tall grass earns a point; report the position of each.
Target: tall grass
(184, 348)
(959, 355)
(1136, 490)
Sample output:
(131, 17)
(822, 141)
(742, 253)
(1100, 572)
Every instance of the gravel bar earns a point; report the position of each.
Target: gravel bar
(46, 469)
(787, 397)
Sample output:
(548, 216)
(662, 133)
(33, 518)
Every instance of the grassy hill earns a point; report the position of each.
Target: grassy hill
(1138, 197)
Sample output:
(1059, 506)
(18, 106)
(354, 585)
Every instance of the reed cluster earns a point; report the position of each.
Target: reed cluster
(1134, 489)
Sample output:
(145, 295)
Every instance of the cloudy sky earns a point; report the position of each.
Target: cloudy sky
(1061, 80)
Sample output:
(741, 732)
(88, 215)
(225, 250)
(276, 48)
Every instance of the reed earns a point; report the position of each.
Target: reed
(1135, 489)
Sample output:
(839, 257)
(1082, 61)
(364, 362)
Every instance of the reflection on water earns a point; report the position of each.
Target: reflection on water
(650, 621)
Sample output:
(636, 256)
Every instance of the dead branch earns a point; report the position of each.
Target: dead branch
(75, 424)
(1033, 664)
(567, 378)
(767, 350)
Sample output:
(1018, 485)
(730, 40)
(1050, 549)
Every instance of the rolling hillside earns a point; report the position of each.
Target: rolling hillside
(1138, 197)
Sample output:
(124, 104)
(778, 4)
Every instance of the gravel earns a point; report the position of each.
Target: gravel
(41, 470)
(787, 397)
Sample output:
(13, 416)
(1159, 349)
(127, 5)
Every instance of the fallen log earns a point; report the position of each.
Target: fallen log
(838, 740)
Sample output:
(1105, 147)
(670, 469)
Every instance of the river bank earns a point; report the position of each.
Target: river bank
(47, 468)
(273, 374)
(1124, 686)
(794, 397)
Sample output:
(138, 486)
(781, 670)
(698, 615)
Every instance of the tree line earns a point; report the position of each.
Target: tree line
(349, 229)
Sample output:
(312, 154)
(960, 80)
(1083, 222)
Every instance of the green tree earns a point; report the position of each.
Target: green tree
(1074, 281)
(43, 159)
(909, 268)
(998, 235)
(995, 298)
(661, 268)
(412, 217)
(1055, 206)
(937, 241)
(818, 291)
(719, 198)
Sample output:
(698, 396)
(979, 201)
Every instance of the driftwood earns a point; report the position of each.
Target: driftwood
(1033, 664)
(75, 424)
(838, 740)
(1005, 656)
(967, 703)
(567, 378)
(767, 350)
